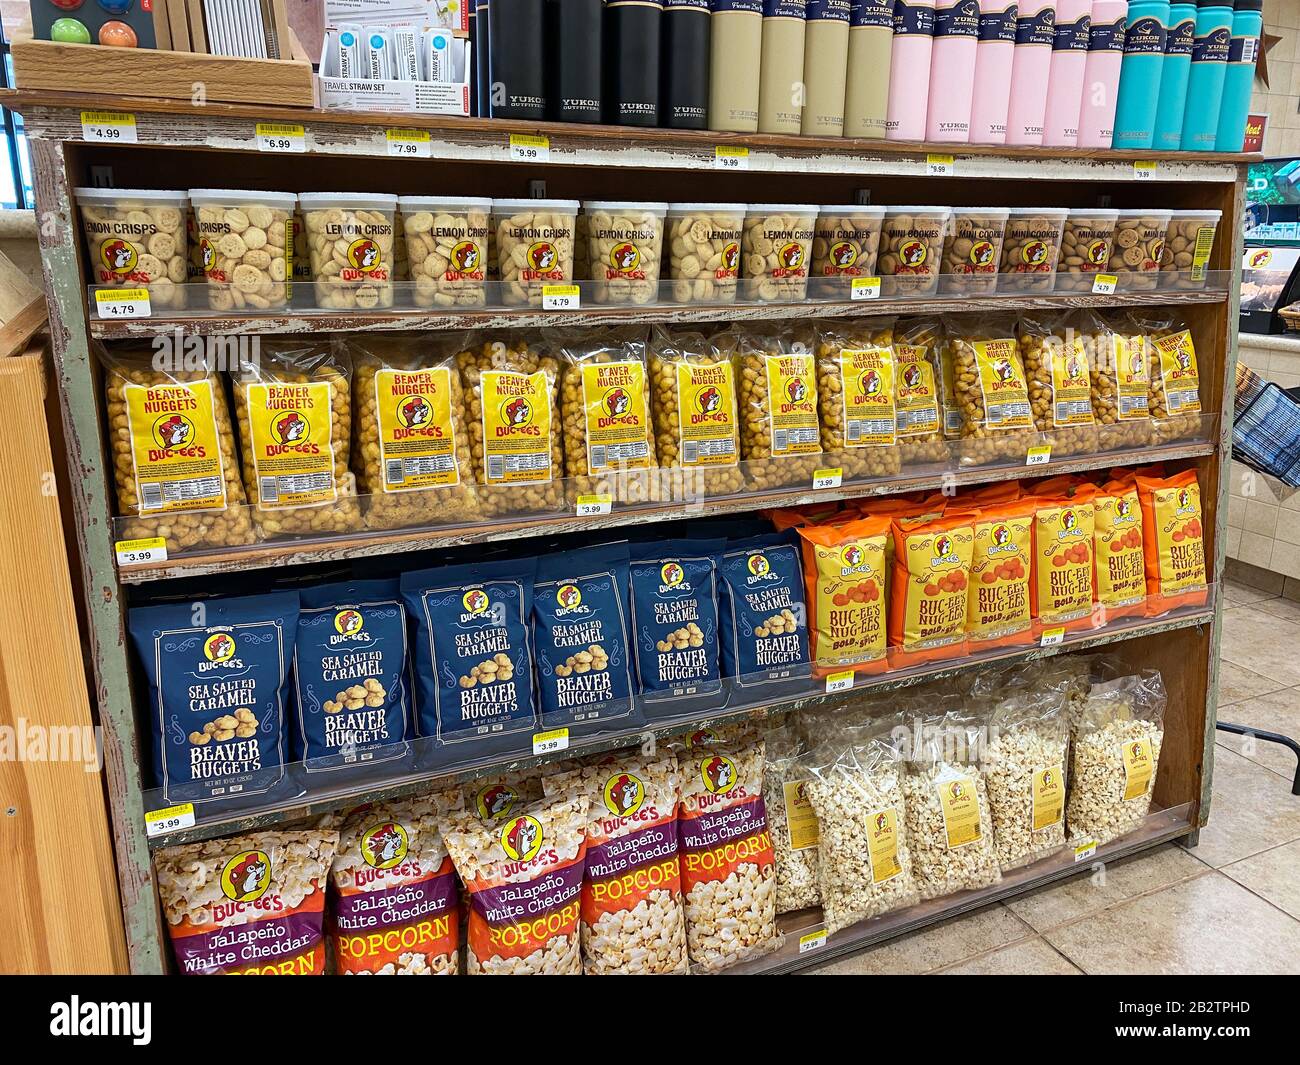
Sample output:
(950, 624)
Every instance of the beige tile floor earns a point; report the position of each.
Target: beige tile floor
(1229, 905)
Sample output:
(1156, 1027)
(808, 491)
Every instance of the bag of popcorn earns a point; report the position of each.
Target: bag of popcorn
(791, 819)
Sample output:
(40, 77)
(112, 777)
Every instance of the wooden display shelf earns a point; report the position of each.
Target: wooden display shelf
(361, 545)
(418, 319)
(398, 785)
(52, 66)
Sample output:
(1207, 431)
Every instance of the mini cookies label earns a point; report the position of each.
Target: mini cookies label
(417, 442)
(792, 395)
(516, 427)
(1179, 373)
(617, 421)
(1002, 381)
(291, 427)
(915, 392)
(867, 389)
(1071, 387)
(174, 447)
(706, 411)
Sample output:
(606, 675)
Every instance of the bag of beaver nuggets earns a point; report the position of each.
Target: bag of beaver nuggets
(1064, 570)
(844, 572)
(998, 608)
(855, 394)
(927, 599)
(1173, 541)
(1117, 543)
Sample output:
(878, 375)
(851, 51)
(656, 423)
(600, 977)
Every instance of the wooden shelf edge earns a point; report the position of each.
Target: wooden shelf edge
(294, 553)
(399, 787)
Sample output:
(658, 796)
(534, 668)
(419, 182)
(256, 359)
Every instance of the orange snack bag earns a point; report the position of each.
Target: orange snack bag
(927, 604)
(1173, 540)
(988, 495)
(792, 517)
(1064, 578)
(998, 607)
(844, 574)
(1117, 543)
(928, 506)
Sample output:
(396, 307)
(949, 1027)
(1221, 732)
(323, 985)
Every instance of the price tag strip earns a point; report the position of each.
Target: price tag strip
(561, 298)
(115, 304)
(865, 288)
(1052, 637)
(1104, 284)
(168, 819)
(551, 742)
(830, 478)
(1039, 455)
(591, 506)
(940, 166)
(1085, 850)
(281, 137)
(527, 148)
(727, 157)
(812, 941)
(137, 552)
(1144, 170)
(409, 143)
(113, 127)
(839, 682)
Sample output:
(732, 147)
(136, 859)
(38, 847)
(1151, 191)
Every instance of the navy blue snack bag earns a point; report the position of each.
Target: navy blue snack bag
(473, 657)
(580, 632)
(675, 623)
(763, 618)
(218, 674)
(351, 675)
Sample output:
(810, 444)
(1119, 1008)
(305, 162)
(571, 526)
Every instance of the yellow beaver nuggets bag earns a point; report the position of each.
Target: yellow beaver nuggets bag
(1173, 540)
(844, 573)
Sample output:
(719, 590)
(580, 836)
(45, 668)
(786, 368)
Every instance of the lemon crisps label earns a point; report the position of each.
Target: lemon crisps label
(961, 811)
(1131, 383)
(707, 414)
(915, 391)
(792, 398)
(1178, 372)
(1048, 790)
(614, 402)
(174, 447)
(882, 845)
(293, 447)
(1138, 767)
(1071, 387)
(1002, 380)
(516, 427)
(417, 442)
(870, 417)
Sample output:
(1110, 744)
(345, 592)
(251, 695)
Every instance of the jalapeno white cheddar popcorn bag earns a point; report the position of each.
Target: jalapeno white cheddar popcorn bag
(764, 623)
(473, 657)
(351, 682)
(675, 617)
(218, 672)
(580, 632)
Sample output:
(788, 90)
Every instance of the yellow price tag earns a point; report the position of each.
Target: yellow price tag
(839, 682)
(1039, 455)
(1105, 284)
(865, 288)
(812, 941)
(561, 298)
(828, 478)
(168, 819)
(529, 148)
(730, 157)
(409, 143)
(281, 137)
(138, 552)
(940, 165)
(113, 127)
(551, 742)
(1085, 850)
(1051, 637)
(1144, 169)
(119, 303)
(590, 506)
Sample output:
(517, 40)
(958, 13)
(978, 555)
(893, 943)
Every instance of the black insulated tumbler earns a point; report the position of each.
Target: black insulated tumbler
(684, 89)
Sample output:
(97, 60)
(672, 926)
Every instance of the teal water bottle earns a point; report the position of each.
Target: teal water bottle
(1247, 24)
(1205, 82)
(1139, 74)
(1173, 75)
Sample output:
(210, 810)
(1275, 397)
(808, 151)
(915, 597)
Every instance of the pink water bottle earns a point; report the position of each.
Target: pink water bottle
(952, 69)
(909, 70)
(993, 55)
(1101, 73)
(1035, 35)
(1065, 81)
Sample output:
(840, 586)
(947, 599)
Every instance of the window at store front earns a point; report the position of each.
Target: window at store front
(16, 164)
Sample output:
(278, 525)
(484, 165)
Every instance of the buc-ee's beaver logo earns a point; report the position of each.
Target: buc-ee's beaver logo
(957, 789)
(869, 383)
(913, 252)
(1034, 253)
(542, 256)
(759, 565)
(791, 255)
(943, 546)
(414, 412)
(852, 556)
(496, 800)
(1003, 370)
(119, 256)
(475, 601)
(844, 253)
(521, 838)
(718, 773)
(981, 253)
(730, 259)
(246, 876)
(209, 255)
(1001, 536)
(624, 794)
(671, 574)
(348, 622)
(617, 402)
(1099, 252)
(795, 390)
(384, 845)
(624, 256)
(363, 255)
(173, 431)
(516, 412)
(465, 257)
(290, 428)
(568, 596)
(708, 400)
(882, 822)
(912, 376)
(219, 647)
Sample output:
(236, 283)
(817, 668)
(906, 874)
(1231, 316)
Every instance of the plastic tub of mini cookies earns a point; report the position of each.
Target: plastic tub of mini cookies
(1137, 249)
(1031, 248)
(972, 250)
(625, 242)
(1085, 248)
(135, 238)
(846, 241)
(704, 251)
(535, 241)
(775, 250)
(911, 248)
(446, 249)
(350, 240)
(1189, 239)
(244, 242)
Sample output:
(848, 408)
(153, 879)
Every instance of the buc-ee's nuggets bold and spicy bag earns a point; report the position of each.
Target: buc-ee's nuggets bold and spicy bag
(844, 571)
(927, 604)
(1117, 542)
(1173, 541)
(998, 610)
(1063, 560)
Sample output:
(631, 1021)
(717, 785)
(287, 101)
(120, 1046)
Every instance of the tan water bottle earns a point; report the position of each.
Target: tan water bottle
(736, 49)
(780, 85)
(825, 66)
(871, 45)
